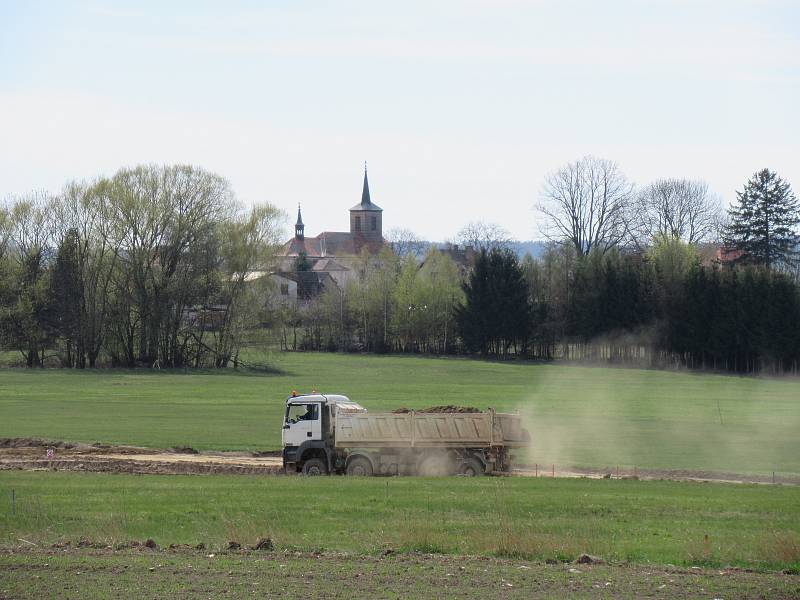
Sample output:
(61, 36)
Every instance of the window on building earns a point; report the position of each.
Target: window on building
(374, 223)
(358, 223)
(284, 289)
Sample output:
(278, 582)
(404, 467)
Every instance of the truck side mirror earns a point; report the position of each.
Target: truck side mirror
(286, 426)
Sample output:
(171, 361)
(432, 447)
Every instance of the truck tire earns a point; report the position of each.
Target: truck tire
(436, 465)
(315, 466)
(471, 467)
(359, 467)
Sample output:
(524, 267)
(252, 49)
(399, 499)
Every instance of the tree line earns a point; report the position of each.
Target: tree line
(660, 308)
(658, 276)
(162, 266)
(132, 269)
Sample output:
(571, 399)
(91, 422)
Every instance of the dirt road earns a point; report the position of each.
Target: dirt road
(35, 454)
(32, 454)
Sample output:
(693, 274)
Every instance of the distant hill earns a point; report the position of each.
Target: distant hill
(533, 247)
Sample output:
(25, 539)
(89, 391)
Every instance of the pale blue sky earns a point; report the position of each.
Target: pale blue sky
(461, 108)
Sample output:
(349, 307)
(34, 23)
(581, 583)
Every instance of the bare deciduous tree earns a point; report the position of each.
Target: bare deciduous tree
(5, 229)
(31, 225)
(28, 231)
(585, 203)
(405, 241)
(483, 236)
(675, 208)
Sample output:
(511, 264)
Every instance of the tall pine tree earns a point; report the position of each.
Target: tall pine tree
(763, 224)
(496, 313)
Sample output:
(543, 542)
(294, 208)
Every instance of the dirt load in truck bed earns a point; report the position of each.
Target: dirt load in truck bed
(441, 409)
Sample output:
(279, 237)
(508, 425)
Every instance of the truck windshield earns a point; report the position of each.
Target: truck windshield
(302, 412)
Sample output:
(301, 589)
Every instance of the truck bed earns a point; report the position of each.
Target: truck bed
(430, 430)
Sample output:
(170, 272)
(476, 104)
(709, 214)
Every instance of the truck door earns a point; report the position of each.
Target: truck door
(303, 423)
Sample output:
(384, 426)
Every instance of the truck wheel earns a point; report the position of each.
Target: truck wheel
(471, 467)
(315, 466)
(436, 465)
(359, 467)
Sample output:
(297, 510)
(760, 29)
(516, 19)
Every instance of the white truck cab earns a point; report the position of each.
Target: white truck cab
(307, 428)
(302, 422)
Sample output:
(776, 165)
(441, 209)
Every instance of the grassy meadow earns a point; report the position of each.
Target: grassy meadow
(579, 416)
(621, 520)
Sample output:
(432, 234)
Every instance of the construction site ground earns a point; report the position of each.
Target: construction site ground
(36, 454)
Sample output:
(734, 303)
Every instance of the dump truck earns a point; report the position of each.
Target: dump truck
(325, 434)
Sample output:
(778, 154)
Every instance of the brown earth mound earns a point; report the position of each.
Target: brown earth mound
(35, 454)
(34, 443)
(449, 408)
(264, 544)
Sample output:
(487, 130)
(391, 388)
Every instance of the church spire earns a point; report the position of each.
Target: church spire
(365, 193)
(299, 228)
(366, 202)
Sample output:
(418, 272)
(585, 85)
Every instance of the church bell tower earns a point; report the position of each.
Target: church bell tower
(366, 217)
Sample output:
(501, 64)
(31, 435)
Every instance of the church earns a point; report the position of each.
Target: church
(331, 256)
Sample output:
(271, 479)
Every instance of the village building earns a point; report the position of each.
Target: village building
(462, 255)
(305, 266)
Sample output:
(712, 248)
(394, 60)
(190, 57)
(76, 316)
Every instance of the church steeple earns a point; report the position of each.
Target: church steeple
(366, 201)
(365, 217)
(299, 228)
(365, 192)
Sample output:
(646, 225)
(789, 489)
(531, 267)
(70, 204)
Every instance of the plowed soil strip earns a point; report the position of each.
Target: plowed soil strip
(213, 573)
(32, 455)
(57, 456)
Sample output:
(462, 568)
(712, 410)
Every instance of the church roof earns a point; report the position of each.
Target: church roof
(331, 243)
(366, 202)
(297, 246)
(344, 243)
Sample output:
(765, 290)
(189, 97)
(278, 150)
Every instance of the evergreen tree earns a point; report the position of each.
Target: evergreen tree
(763, 223)
(302, 263)
(586, 303)
(496, 313)
(65, 307)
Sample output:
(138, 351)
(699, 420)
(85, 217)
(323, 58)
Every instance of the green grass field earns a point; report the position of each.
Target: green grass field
(579, 416)
(622, 521)
(500, 530)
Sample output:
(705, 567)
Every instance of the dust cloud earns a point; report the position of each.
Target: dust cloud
(608, 418)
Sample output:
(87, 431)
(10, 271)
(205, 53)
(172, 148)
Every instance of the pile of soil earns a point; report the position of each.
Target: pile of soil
(449, 408)
(34, 443)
